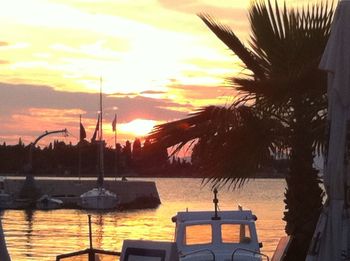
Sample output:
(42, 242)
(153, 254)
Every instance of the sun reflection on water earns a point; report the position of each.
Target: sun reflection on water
(41, 235)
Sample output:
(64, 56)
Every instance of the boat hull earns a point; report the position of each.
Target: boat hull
(48, 205)
(99, 199)
(6, 200)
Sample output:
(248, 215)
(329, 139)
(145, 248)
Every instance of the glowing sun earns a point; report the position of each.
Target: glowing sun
(138, 127)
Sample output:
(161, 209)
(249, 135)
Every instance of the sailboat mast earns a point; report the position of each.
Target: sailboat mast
(116, 159)
(100, 108)
(101, 172)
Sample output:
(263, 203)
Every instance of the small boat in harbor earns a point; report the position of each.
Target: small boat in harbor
(204, 235)
(46, 202)
(99, 198)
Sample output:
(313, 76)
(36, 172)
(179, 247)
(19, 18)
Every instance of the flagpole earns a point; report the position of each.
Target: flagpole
(79, 150)
(101, 108)
(115, 132)
(115, 144)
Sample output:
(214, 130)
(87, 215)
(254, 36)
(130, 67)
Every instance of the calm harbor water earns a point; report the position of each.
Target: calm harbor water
(41, 235)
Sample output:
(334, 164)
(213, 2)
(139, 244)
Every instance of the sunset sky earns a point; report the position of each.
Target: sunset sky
(157, 59)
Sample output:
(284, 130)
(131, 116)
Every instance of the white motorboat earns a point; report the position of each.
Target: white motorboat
(46, 202)
(203, 235)
(199, 236)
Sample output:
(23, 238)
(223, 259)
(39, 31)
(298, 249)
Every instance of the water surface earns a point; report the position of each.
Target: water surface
(41, 235)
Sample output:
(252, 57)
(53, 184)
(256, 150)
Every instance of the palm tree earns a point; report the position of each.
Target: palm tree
(281, 109)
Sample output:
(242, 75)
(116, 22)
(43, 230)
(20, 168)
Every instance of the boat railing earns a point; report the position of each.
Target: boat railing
(90, 253)
(249, 251)
(198, 251)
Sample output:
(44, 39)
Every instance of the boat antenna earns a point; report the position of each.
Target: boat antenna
(215, 201)
(90, 233)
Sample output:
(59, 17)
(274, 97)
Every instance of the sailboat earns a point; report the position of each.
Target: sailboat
(99, 198)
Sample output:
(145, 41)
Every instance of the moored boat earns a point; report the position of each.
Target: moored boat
(46, 202)
(205, 235)
(99, 198)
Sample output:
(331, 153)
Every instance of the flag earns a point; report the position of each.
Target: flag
(114, 123)
(82, 132)
(96, 130)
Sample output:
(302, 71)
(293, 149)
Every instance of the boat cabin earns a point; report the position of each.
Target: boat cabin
(219, 234)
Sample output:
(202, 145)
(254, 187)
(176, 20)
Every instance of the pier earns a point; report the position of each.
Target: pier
(133, 194)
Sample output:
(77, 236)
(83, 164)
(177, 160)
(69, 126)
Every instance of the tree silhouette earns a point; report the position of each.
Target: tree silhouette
(281, 109)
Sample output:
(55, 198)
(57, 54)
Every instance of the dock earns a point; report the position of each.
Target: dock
(133, 194)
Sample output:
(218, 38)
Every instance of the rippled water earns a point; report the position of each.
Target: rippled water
(41, 235)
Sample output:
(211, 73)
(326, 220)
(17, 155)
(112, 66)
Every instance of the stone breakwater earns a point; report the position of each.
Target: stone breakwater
(132, 194)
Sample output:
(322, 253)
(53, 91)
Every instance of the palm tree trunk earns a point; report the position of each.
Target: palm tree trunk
(303, 196)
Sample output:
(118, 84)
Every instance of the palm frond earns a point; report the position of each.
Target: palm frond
(228, 37)
(233, 143)
(289, 43)
(235, 154)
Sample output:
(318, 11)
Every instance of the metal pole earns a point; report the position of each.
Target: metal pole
(32, 145)
(91, 251)
(115, 144)
(79, 151)
(90, 231)
(215, 201)
(100, 138)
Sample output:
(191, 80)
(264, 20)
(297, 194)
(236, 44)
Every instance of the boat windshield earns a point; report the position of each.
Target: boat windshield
(198, 234)
(235, 233)
(201, 234)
